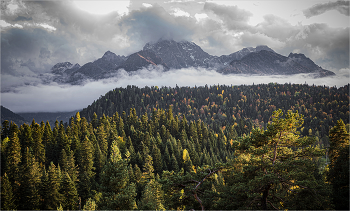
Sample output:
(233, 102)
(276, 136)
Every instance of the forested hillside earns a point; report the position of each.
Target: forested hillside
(185, 148)
(220, 105)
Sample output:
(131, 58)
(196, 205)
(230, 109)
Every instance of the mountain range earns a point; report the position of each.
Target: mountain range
(171, 54)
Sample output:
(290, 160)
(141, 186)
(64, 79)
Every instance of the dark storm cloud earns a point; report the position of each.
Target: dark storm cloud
(44, 53)
(70, 35)
(21, 47)
(22, 18)
(340, 6)
(151, 24)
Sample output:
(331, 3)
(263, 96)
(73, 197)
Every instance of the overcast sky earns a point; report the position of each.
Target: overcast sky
(35, 35)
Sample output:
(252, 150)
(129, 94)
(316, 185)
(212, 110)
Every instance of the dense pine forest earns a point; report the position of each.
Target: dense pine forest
(266, 146)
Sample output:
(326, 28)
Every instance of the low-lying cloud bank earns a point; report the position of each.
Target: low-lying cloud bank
(53, 97)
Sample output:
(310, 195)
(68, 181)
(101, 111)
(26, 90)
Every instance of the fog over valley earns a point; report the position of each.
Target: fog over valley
(40, 97)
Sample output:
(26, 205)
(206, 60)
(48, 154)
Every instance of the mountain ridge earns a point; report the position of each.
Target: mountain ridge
(171, 54)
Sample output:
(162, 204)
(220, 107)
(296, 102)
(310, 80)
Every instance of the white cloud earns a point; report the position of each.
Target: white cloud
(5, 24)
(146, 5)
(200, 16)
(47, 26)
(12, 7)
(178, 12)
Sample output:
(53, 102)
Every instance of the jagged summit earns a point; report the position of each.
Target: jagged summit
(64, 68)
(179, 54)
(110, 56)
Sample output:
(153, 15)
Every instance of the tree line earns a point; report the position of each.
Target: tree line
(222, 105)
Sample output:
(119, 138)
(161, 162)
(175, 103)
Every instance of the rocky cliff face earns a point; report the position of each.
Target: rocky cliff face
(175, 55)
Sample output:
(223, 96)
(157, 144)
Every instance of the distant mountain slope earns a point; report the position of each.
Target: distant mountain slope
(6, 114)
(226, 59)
(49, 116)
(270, 63)
(175, 55)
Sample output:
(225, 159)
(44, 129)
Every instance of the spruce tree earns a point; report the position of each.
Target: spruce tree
(152, 197)
(69, 193)
(117, 192)
(173, 163)
(51, 196)
(157, 160)
(38, 148)
(30, 182)
(86, 173)
(7, 196)
(13, 163)
(25, 137)
(137, 173)
(338, 174)
(5, 130)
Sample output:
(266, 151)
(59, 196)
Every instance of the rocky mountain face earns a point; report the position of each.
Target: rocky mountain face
(175, 55)
(226, 59)
(141, 59)
(270, 63)
(179, 54)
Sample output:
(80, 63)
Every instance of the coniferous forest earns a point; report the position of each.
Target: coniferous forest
(266, 146)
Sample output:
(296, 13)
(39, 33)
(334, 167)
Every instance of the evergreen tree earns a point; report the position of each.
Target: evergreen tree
(132, 178)
(51, 196)
(86, 174)
(173, 164)
(7, 196)
(63, 161)
(69, 193)
(152, 197)
(166, 157)
(157, 160)
(13, 163)
(101, 137)
(5, 130)
(148, 169)
(117, 192)
(25, 137)
(4, 150)
(338, 174)
(38, 148)
(30, 182)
